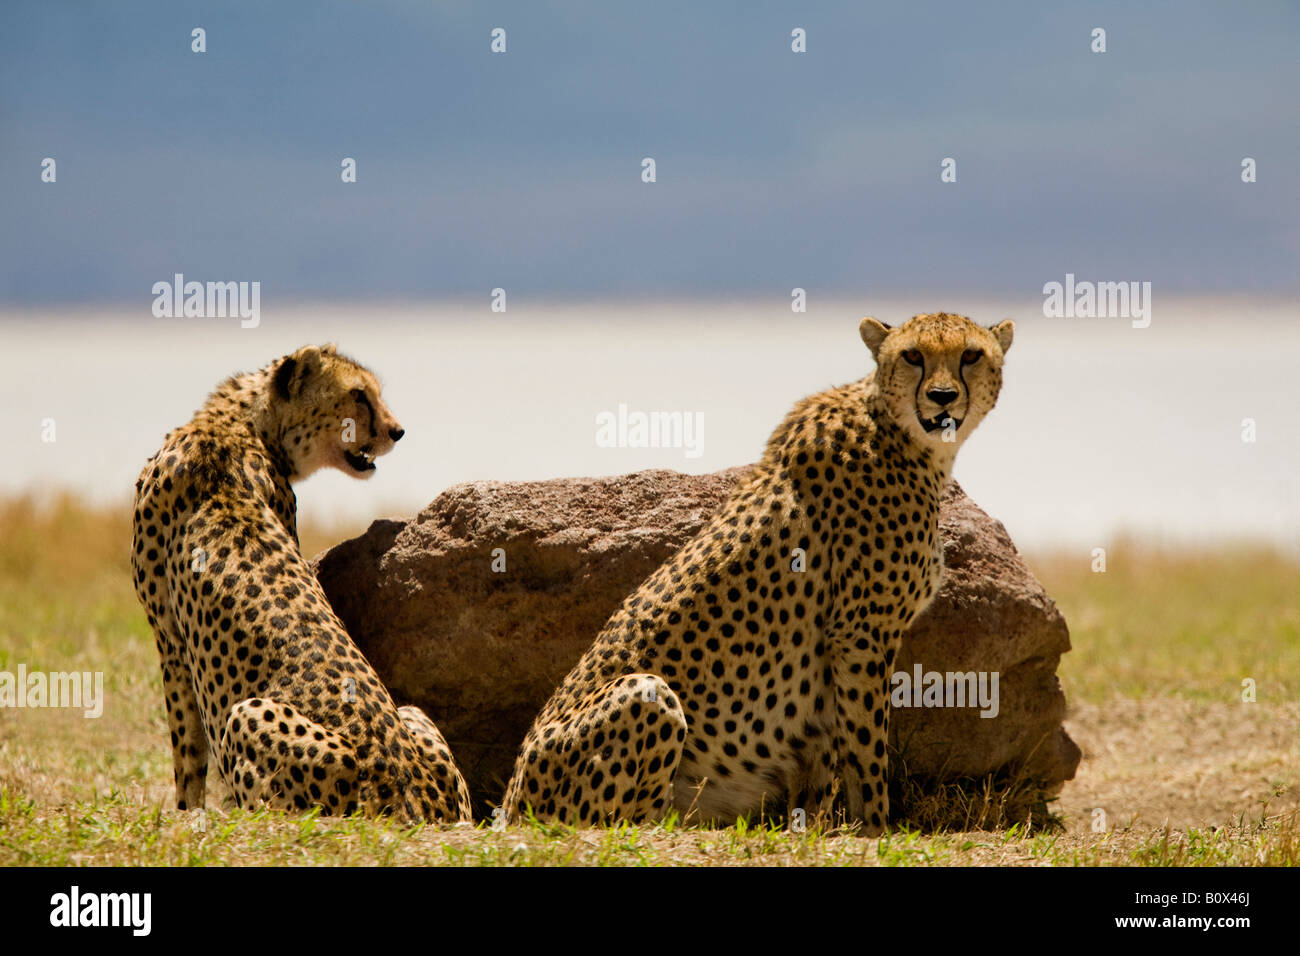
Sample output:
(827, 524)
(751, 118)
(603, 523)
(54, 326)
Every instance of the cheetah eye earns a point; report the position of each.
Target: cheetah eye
(971, 356)
(913, 357)
(358, 393)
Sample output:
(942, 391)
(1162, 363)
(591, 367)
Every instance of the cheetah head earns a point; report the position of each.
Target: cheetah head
(938, 374)
(329, 414)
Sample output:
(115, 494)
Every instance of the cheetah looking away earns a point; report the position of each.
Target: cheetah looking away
(751, 671)
(256, 666)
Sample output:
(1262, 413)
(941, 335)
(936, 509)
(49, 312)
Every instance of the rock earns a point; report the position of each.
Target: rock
(481, 651)
(990, 615)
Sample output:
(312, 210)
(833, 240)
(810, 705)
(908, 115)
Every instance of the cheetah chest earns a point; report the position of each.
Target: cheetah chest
(752, 657)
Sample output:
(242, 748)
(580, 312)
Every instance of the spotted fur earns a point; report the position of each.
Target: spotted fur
(741, 677)
(257, 669)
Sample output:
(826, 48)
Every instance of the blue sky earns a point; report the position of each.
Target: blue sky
(522, 170)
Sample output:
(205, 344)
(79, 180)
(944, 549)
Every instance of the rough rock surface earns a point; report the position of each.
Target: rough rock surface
(482, 649)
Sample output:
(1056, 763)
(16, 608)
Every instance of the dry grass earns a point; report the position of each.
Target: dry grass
(120, 831)
(1162, 643)
(1185, 773)
(1189, 625)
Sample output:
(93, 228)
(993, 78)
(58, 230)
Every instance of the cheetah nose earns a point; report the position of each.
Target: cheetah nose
(396, 433)
(942, 396)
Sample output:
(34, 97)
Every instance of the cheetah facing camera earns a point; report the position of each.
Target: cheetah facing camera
(256, 667)
(751, 672)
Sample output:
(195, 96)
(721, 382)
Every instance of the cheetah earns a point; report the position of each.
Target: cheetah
(257, 669)
(750, 673)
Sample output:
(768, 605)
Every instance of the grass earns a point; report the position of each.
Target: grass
(1182, 772)
(1187, 625)
(115, 829)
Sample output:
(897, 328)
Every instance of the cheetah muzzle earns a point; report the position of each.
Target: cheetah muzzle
(359, 461)
(939, 421)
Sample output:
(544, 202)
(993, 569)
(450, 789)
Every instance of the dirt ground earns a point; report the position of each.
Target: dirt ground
(1181, 763)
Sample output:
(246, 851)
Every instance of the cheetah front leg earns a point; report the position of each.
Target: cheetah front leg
(861, 735)
(189, 741)
(610, 756)
(447, 795)
(184, 718)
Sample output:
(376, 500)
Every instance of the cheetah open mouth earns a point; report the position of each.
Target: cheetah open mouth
(359, 461)
(942, 420)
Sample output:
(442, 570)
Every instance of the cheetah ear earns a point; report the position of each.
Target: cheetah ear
(284, 375)
(1003, 332)
(873, 332)
(294, 371)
